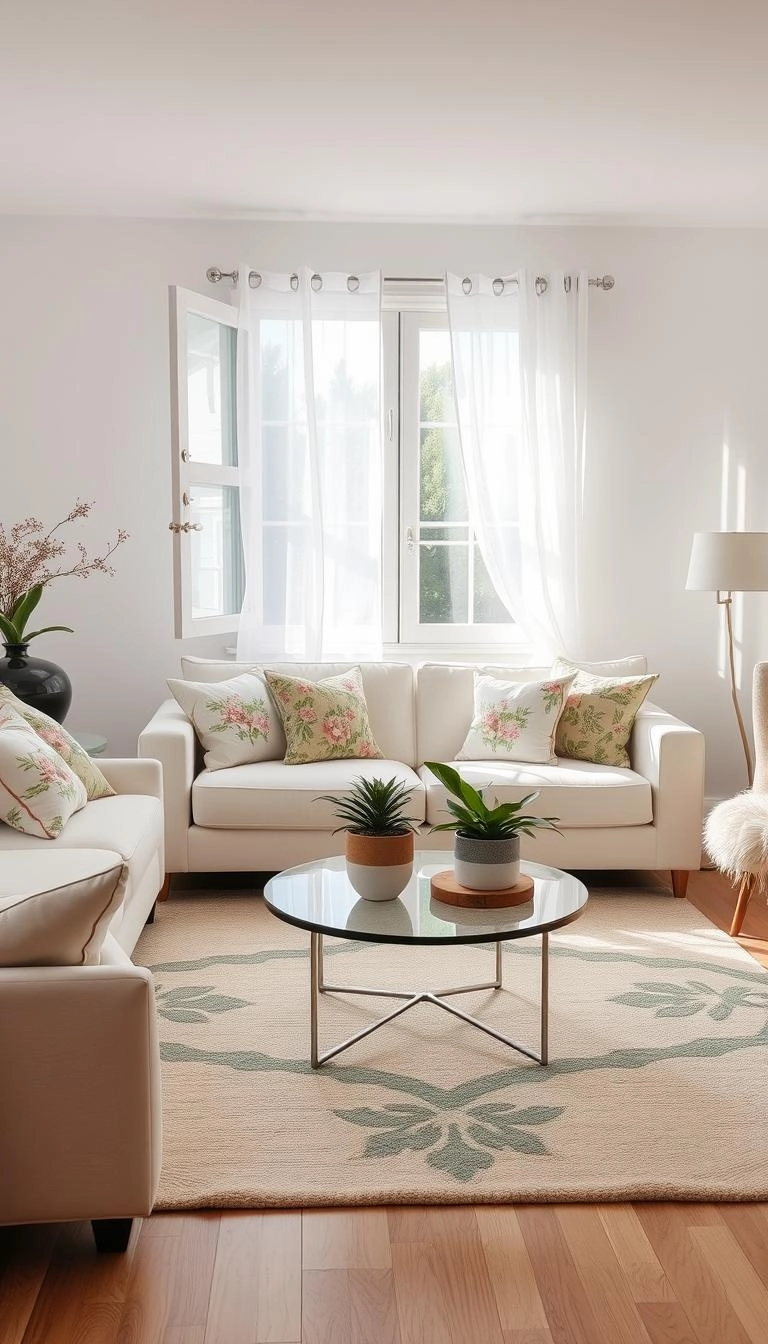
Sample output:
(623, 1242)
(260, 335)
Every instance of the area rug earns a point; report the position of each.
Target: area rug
(656, 1085)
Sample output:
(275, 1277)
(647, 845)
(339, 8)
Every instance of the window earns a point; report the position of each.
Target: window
(446, 595)
(437, 591)
(208, 561)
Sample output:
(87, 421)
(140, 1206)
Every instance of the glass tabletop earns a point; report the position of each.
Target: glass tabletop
(319, 897)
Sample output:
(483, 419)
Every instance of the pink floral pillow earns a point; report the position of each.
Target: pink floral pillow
(235, 721)
(78, 760)
(38, 790)
(515, 721)
(324, 720)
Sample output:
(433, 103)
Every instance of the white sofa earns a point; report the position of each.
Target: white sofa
(265, 817)
(80, 1120)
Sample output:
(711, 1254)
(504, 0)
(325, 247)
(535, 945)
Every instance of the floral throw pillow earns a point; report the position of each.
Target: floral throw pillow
(324, 720)
(78, 760)
(515, 720)
(38, 791)
(599, 715)
(235, 721)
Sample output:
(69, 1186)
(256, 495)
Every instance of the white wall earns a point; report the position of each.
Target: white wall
(677, 441)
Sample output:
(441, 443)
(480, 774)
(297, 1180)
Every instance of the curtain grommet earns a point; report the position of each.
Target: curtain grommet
(316, 282)
(294, 282)
(466, 285)
(254, 279)
(542, 285)
(353, 283)
(499, 285)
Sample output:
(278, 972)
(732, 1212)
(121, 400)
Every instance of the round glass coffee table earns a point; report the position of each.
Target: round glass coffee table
(317, 896)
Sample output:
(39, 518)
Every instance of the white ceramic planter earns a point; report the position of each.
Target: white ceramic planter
(379, 867)
(486, 865)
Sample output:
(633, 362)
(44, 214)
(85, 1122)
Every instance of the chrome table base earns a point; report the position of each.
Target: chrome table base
(319, 986)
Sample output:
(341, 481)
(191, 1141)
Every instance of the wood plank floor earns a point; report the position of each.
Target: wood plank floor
(536, 1274)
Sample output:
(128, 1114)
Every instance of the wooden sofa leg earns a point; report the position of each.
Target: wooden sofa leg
(164, 891)
(111, 1234)
(679, 881)
(151, 916)
(745, 891)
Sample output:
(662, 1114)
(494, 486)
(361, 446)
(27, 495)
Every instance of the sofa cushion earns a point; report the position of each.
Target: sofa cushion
(55, 909)
(515, 720)
(236, 720)
(444, 699)
(276, 796)
(599, 715)
(578, 793)
(38, 791)
(324, 720)
(66, 746)
(130, 823)
(388, 691)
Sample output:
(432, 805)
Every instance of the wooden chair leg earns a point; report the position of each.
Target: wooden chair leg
(164, 891)
(679, 882)
(745, 891)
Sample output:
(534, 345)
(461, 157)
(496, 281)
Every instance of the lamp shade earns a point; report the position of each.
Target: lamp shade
(729, 562)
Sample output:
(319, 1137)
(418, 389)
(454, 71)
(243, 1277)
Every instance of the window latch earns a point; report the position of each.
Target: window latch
(409, 539)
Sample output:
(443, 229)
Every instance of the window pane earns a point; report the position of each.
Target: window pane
(211, 391)
(442, 496)
(444, 584)
(217, 557)
(488, 606)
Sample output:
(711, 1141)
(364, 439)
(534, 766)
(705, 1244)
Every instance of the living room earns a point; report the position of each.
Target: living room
(643, 159)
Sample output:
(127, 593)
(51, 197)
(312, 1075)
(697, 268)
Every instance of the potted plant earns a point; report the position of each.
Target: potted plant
(487, 844)
(379, 840)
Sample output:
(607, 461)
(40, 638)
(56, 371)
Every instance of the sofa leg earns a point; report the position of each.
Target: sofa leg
(151, 916)
(745, 891)
(111, 1234)
(679, 881)
(164, 891)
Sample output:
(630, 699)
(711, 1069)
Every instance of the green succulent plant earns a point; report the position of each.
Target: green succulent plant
(13, 626)
(373, 807)
(475, 820)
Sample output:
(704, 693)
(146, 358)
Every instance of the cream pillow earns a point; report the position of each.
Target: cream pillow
(58, 913)
(78, 760)
(599, 715)
(38, 791)
(324, 720)
(235, 721)
(515, 721)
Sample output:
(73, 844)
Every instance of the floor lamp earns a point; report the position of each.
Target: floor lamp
(726, 563)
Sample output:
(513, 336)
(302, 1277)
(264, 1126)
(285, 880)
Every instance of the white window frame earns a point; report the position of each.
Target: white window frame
(186, 474)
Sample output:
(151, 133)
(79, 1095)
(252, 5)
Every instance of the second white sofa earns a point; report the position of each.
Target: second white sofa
(265, 817)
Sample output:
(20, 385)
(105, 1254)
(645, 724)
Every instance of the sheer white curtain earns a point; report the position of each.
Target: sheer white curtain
(309, 442)
(519, 367)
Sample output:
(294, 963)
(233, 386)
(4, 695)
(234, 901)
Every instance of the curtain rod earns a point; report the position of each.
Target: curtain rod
(214, 274)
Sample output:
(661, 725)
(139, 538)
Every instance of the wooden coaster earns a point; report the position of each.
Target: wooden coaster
(445, 888)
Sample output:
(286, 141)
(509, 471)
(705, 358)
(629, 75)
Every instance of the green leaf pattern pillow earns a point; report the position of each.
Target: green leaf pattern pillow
(599, 715)
(70, 751)
(324, 720)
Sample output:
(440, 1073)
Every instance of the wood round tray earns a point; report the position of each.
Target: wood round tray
(445, 888)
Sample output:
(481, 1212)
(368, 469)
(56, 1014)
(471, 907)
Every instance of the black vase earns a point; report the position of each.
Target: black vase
(40, 684)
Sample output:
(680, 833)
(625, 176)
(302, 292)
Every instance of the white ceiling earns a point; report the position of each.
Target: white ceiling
(554, 111)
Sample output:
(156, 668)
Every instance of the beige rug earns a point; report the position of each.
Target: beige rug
(656, 1088)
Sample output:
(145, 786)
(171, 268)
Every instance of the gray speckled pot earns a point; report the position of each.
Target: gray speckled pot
(486, 865)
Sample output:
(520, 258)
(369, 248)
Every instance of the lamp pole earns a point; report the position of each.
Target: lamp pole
(726, 600)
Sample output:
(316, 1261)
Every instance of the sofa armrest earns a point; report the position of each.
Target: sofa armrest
(128, 775)
(170, 738)
(80, 1120)
(670, 755)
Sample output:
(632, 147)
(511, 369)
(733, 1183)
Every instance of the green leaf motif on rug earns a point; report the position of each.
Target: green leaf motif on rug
(194, 1003)
(670, 1000)
(494, 1125)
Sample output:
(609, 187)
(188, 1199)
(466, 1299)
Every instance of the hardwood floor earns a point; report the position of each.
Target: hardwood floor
(523, 1274)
